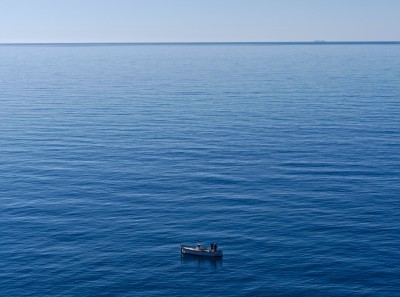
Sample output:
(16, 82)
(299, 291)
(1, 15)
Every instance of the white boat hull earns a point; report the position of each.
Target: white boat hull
(190, 250)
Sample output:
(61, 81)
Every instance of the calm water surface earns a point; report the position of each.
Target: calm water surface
(287, 155)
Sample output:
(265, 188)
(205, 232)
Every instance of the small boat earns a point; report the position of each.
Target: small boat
(199, 250)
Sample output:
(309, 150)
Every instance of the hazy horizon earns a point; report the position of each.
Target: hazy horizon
(157, 21)
(319, 42)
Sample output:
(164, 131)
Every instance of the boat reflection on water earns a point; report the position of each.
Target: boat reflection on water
(202, 262)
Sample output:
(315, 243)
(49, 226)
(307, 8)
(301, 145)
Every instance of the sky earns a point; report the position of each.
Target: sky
(25, 21)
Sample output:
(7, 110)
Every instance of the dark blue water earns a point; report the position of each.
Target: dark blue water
(288, 156)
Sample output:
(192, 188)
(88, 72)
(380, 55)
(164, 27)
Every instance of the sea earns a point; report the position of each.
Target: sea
(285, 155)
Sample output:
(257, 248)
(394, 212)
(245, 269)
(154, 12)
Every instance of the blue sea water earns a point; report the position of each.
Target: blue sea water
(288, 156)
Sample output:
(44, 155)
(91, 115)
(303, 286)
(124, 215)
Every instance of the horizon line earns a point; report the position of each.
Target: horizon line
(319, 42)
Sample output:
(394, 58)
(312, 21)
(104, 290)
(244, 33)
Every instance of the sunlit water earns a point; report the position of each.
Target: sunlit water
(288, 156)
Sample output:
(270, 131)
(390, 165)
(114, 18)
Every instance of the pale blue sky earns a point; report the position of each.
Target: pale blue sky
(201, 20)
